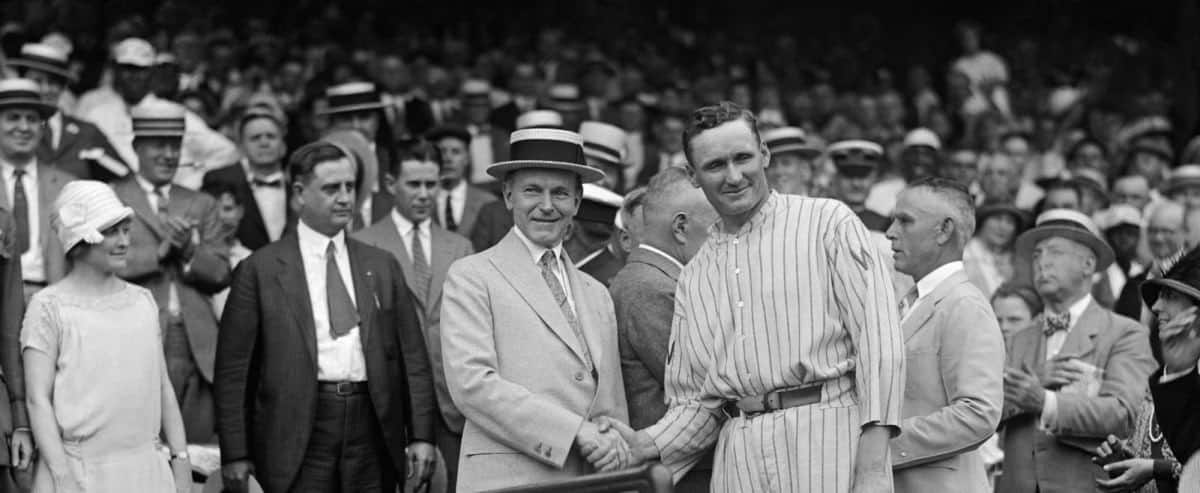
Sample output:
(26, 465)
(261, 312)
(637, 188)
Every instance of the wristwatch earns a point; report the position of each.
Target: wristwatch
(181, 455)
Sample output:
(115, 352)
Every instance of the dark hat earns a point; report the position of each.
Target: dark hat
(24, 93)
(44, 58)
(599, 205)
(546, 148)
(855, 158)
(1069, 224)
(351, 97)
(1183, 277)
(438, 133)
(990, 209)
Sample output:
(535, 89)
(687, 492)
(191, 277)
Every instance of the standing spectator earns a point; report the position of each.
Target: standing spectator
(566, 100)
(523, 84)
(1122, 226)
(178, 252)
(1079, 375)
(424, 251)
(99, 393)
(1183, 185)
(857, 163)
(17, 453)
(988, 256)
(677, 217)
(408, 113)
(589, 241)
(791, 170)
(920, 157)
(952, 403)
(986, 71)
(258, 180)
(666, 149)
(313, 320)
(1133, 190)
(488, 143)
(1174, 298)
(358, 107)
(458, 202)
(1165, 240)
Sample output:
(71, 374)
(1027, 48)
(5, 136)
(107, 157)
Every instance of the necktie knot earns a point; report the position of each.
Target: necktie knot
(1056, 322)
(259, 182)
(19, 173)
(547, 260)
(330, 250)
(907, 302)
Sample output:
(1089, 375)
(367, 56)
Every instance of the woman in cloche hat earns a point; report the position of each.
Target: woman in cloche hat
(98, 393)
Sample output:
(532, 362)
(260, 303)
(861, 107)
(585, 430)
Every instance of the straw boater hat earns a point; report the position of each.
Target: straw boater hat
(1187, 175)
(599, 205)
(83, 210)
(350, 97)
(158, 118)
(134, 52)
(540, 119)
(922, 137)
(24, 93)
(790, 139)
(1069, 224)
(546, 148)
(1119, 215)
(565, 97)
(855, 157)
(603, 142)
(477, 90)
(44, 58)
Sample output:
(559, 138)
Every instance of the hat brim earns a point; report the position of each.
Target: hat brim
(1151, 288)
(122, 214)
(1174, 186)
(803, 151)
(1029, 239)
(43, 109)
(43, 67)
(587, 173)
(159, 134)
(985, 212)
(350, 108)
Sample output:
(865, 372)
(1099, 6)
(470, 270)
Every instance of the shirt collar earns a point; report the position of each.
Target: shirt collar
(8, 168)
(536, 251)
(1076, 310)
(403, 225)
(150, 189)
(768, 206)
(934, 279)
(459, 191)
(314, 243)
(277, 175)
(656, 251)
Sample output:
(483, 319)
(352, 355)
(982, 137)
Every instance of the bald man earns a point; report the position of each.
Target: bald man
(1165, 235)
(675, 221)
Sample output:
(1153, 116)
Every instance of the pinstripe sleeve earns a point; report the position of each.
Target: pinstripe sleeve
(693, 417)
(866, 303)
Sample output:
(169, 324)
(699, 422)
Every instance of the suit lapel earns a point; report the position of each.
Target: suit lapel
(389, 237)
(587, 322)
(514, 263)
(926, 307)
(132, 194)
(440, 261)
(66, 141)
(295, 288)
(364, 290)
(1081, 340)
(253, 212)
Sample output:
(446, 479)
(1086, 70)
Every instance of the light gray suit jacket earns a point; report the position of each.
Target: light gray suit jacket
(954, 390)
(445, 248)
(516, 369)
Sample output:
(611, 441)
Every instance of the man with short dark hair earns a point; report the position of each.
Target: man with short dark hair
(759, 353)
(458, 202)
(1062, 194)
(258, 180)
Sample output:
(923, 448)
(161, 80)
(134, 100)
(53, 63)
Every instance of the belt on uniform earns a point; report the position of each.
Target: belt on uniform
(773, 401)
(342, 388)
(36, 284)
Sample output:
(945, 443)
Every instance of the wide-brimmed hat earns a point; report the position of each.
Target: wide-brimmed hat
(1119, 215)
(134, 52)
(1072, 225)
(476, 89)
(44, 58)
(1155, 148)
(83, 210)
(1187, 175)
(539, 119)
(922, 137)
(546, 148)
(603, 142)
(24, 93)
(855, 158)
(989, 209)
(158, 118)
(783, 140)
(1183, 277)
(599, 205)
(351, 97)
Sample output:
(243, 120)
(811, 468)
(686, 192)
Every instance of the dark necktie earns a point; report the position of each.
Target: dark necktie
(1056, 322)
(451, 224)
(161, 197)
(48, 136)
(342, 314)
(420, 268)
(20, 210)
(560, 297)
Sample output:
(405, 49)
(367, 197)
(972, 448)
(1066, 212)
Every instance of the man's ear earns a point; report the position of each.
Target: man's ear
(691, 172)
(946, 231)
(679, 227)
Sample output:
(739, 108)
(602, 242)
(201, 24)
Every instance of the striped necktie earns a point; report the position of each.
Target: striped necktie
(907, 302)
(560, 296)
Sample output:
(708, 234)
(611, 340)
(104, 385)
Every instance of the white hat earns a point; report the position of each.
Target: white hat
(60, 41)
(1119, 215)
(546, 148)
(46, 58)
(864, 146)
(83, 209)
(1187, 175)
(599, 205)
(1072, 225)
(476, 88)
(922, 137)
(789, 139)
(24, 93)
(603, 141)
(158, 118)
(565, 96)
(540, 119)
(351, 97)
(134, 51)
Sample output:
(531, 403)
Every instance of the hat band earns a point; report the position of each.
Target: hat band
(786, 141)
(19, 95)
(546, 150)
(341, 100)
(159, 126)
(41, 60)
(602, 151)
(1067, 223)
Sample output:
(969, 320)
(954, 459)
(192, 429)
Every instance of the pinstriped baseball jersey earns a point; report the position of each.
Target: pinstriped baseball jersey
(798, 296)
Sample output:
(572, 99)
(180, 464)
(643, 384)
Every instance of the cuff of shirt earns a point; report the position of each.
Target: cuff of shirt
(1171, 377)
(1049, 411)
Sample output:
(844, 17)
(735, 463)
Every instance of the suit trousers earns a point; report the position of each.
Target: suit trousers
(346, 452)
(450, 444)
(192, 392)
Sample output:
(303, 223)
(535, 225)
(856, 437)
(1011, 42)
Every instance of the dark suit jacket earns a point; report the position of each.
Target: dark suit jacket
(603, 266)
(445, 248)
(208, 272)
(1177, 408)
(418, 117)
(266, 373)
(493, 223)
(475, 200)
(12, 312)
(77, 137)
(505, 115)
(1129, 303)
(252, 231)
(50, 182)
(1061, 459)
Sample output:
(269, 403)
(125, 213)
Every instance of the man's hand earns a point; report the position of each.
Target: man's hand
(1062, 371)
(180, 233)
(422, 461)
(21, 449)
(604, 450)
(237, 475)
(1181, 351)
(872, 470)
(1023, 390)
(641, 447)
(1131, 475)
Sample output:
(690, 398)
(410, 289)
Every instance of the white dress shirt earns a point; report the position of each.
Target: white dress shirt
(481, 154)
(341, 359)
(1054, 343)
(536, 251)
(931, 281)
(656, 251)
(271, 201)
(33, 265)
(406, 230)
(458, 202)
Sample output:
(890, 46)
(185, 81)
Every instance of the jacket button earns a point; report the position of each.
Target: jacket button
(578, 376)
(903, 454)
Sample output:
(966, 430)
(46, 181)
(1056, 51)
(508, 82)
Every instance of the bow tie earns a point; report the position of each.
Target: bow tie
(276, 183)
(1055, 322)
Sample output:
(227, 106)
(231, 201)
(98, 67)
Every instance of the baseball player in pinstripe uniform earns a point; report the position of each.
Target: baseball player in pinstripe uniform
(786, 350)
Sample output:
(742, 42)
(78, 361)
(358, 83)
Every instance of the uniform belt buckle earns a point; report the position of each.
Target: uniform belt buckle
(345, 388)
(772, 401)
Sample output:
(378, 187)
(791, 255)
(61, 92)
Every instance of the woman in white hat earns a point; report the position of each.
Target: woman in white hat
(97, 386)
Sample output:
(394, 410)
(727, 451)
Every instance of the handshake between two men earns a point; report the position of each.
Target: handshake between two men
(610, 445)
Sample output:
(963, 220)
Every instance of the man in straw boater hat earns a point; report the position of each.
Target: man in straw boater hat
(74, 145)
(793, 157)
(793, 368)
(528, 340)
(177, 250)
(1075, 376)
(604, 148)
(489, 143)
(357, 107)
(590, 241)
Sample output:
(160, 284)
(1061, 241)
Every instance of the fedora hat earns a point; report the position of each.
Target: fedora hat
(990, 209)
(83, 210)
(539, 119)
(24, 93)
(351, 97)
(603, 142)
(158, 118)
(1187, 175)
(546, 148)
(1069, 224)
(44, 58)
(783, 140)
(1183, 277)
